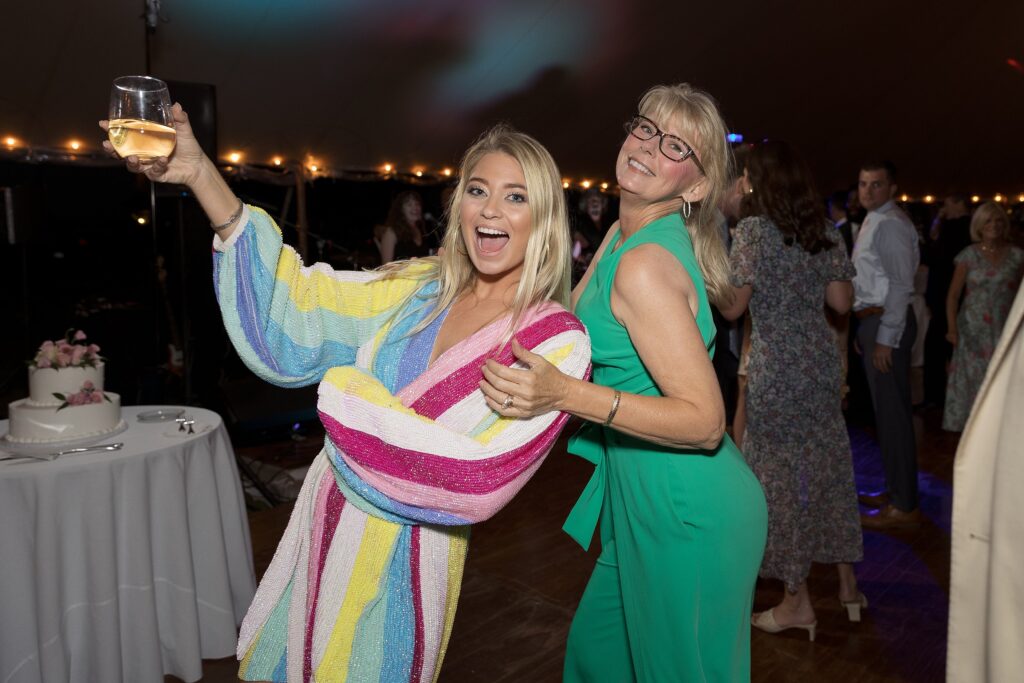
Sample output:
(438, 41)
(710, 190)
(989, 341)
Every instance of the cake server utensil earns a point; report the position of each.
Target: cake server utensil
(70, 451)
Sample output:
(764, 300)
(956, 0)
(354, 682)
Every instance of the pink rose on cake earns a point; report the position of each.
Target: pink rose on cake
(73, 351)
(88, 394)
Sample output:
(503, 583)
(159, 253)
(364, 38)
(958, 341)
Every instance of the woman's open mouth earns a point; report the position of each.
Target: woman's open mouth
(490, 240)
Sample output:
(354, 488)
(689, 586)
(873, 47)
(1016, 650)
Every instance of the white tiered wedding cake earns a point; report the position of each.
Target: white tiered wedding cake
(66, 399)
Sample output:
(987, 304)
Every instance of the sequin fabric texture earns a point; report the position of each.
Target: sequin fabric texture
(365, 581)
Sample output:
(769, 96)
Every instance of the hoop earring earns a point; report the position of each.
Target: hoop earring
(687, 209)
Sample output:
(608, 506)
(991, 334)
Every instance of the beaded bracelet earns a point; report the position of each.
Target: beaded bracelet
(615, 408)
(234, 217)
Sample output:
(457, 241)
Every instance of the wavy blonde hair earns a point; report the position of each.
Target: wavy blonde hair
(697, 117)
(547, 264)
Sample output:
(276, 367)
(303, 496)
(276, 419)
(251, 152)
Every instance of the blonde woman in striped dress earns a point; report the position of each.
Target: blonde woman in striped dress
(365, 581)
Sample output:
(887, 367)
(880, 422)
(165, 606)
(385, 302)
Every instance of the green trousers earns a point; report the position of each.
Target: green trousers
(670, 598)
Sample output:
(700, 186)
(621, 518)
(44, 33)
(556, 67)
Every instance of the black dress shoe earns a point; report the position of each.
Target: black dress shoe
(874, 499)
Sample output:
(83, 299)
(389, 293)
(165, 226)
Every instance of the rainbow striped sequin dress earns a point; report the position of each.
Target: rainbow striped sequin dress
(365, 581)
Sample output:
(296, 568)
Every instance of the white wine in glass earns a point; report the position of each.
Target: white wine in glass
(141, 123)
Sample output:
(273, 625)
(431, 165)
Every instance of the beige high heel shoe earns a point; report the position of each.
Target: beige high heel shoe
(853, 607)
(766, 622)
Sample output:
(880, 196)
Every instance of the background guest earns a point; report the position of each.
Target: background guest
(947, 236)
(990, 270)
(402, 235)
(839, 217)
(589, 226)
(787, 263)
(886, 256)
(729, 339)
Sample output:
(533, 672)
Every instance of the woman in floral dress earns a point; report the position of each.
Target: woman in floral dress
(991, 270)
(788, 263)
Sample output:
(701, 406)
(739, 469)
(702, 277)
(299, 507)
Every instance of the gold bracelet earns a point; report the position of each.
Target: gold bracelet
(615, 408)
(234, 217)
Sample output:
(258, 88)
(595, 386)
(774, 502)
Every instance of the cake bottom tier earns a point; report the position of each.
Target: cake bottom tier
(30, 423)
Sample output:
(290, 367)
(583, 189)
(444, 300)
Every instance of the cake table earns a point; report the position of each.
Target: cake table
(124, 565)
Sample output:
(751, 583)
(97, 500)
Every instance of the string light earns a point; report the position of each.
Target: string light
(904, 197)
(604, 186)
(1020, 198)
(419, 174)
(998, 197)
(235, 157)
(75, 145)
(314, 168)
(975, 199)
(277, 161)
(447, 172)
(10, 141)
(388, 168)
(140, 220)
(928, 199)
(585, 184)
(565, 184)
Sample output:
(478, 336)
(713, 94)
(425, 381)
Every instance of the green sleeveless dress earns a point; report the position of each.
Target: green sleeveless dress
(682, 532)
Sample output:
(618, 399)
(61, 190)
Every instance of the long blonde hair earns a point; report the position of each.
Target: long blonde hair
(547, 265)
(697, 115)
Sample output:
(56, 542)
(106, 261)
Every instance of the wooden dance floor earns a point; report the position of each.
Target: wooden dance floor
(524, 578)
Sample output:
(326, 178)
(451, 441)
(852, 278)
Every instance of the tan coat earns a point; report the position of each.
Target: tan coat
(986, 611)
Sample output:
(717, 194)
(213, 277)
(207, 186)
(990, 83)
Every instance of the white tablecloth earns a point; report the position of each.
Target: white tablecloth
(127, 565)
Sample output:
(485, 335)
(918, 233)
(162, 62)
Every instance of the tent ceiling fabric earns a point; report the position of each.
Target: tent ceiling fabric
(358, 83)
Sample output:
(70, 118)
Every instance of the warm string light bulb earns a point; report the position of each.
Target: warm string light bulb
(928, 199)
(235, 157)
(447, 172)
(975, 198)
(565, 184)
(277, 161)
(75, 145)
(419, 174)
(1020, 198)
(585, 184)
(10, 141)
(998, 197)
(388, 168)
(604, 186)
(904, 197)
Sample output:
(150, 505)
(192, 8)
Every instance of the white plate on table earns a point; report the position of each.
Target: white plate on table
(161, 415)
(14, 449)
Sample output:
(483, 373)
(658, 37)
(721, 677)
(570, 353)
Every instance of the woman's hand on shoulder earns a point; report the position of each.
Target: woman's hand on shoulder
(538, 389)
(184, 165)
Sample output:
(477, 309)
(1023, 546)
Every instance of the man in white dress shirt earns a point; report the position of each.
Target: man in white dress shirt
(886, 256)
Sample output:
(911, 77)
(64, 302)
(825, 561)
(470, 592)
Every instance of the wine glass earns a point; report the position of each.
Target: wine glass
(141, 123)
